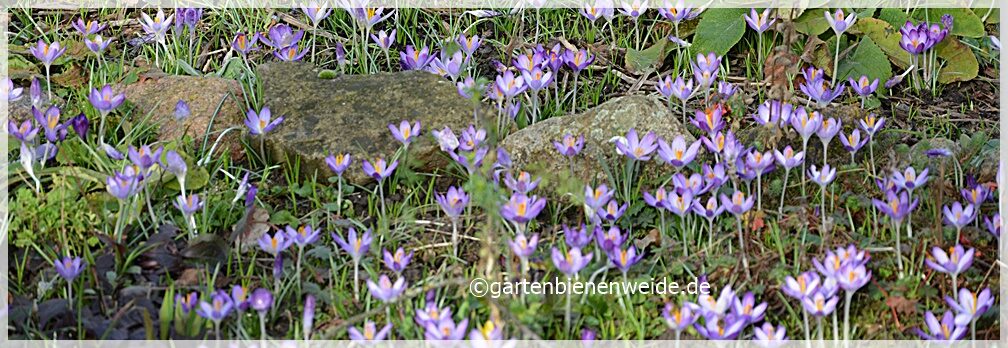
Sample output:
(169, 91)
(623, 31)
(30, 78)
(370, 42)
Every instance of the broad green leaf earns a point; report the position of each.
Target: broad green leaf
(646, 60)
(868, 59)
(812, 22)
(885, 37)
(965, 22)
(894, 16)
(719, 30)
(960, 63)
(993, 14)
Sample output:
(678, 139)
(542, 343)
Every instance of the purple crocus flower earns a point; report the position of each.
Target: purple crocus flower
(914, 38)
(853, 142)
(144, 158)
(852, 276)
(714, 176)
(710, 210)
(871, 125)
(524, 247)
(369, 332)
(157, 26)
(623, 259)
(187, 17)
(577, 238)
(188, 205)
(122, 185)
(243, 44)
(413, 59)
(958, 215)
(838, 22)
(35, 92)
(290, 53)
(431, 313)
(947, 330)
(682, 89)
(315, 12)
(509, 85)
(25, 132)
(9, 92)
(637, 148)
(472, 138)
(97, 44)
(262, 122)
(710, 120)
(385, 290)
(69, 267)
(748, 309)
(89, 28)
(447, 66)
(469, 45)
(396, 262)
(454, 202)
(446, 139)
(738, 203)
(46, 53)
(275, 244)
(182, 110)
(597, 197)
(261, 300)
(720, 328)
(105, 99)
(338, 163)
(609, 240)
(240, 297)
(993, 224)
(680, 318)
(523, 184)
(863, 86)
(634, 8)
(218, 308)
(820, 91)
(759, 22)
(570, 262)
(599, 9)
(801, 287)
(956, 261)
(896, 206)
(678, 154)
(772, 112)
(80, 125)
(569, 146)
(281, 36)
(405, 133)
(693, 184)
(909, 180)
(658, 200)
(471, 161)
(536, 79)
(768, 336)
(446, 329)
(760, 162)
(679, 204)
(789, 158)
(969, 306)
(819, 304)
(50, 121)
(976, 195)
(578, 60)
(302, 236)
(612, 211)
(187, 302)
(380, 169)
(356, 246)
(705, 69)
(521, 209)
(384, 39)
(308, 316)
(822, 177)
(370, 16)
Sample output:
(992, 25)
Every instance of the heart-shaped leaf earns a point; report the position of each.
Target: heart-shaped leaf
(719, 30)
(960, 62)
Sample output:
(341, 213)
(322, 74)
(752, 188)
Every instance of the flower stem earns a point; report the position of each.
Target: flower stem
(780, 208)
(454, 237)
(846, 320)
(262, 326)
(745, 260)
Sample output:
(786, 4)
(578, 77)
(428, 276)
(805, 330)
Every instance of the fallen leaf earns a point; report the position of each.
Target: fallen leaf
(902, 305)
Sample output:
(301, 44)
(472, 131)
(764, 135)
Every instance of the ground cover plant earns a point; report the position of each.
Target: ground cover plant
(128, 225)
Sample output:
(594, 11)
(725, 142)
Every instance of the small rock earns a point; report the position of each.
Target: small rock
(211, 100)
(351, 113)
(534, 144)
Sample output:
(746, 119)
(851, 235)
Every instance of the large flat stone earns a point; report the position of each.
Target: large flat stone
(532, 148)
(351, 113)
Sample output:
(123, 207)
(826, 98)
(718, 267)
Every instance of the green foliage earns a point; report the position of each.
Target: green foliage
(965, 22)
(960, 63)
(811, 22)
(647, 59)
(719, 30)
(57, 214)
(868, 59)
(886, 37)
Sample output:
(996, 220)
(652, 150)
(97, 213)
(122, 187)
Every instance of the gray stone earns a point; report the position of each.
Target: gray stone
(532, 148)
(213, 102)
(351, 114)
